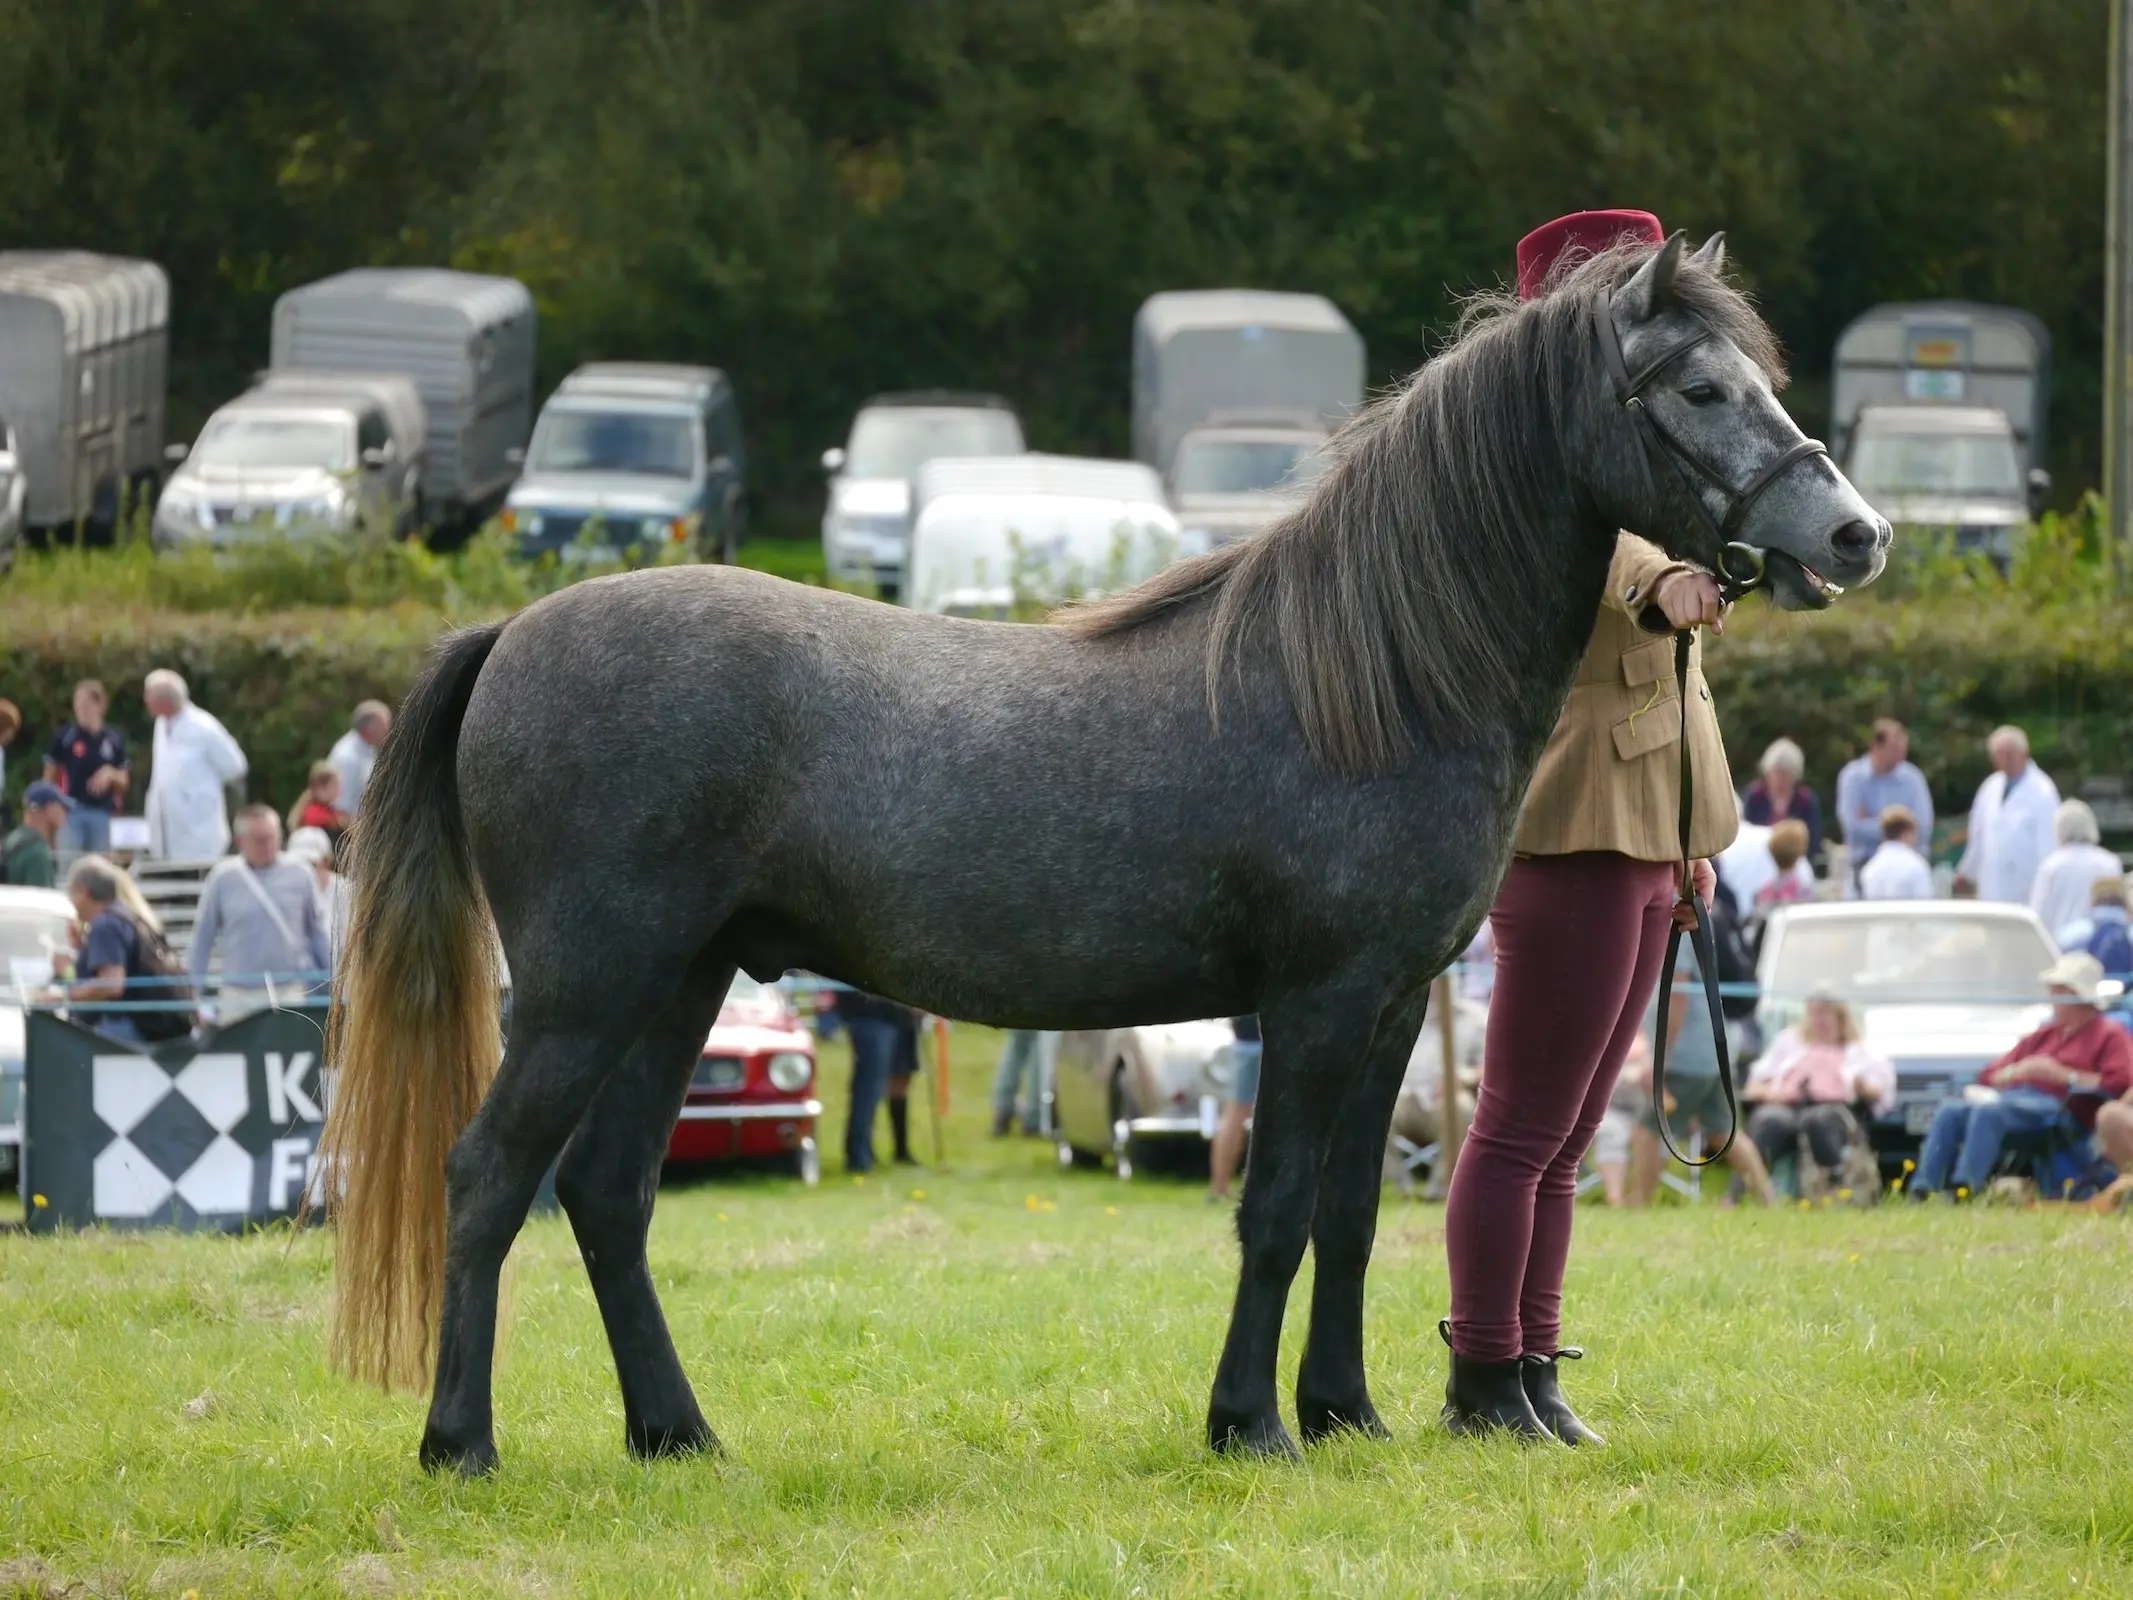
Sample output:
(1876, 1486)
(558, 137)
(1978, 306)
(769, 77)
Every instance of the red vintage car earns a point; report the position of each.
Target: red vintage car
(752, 1098)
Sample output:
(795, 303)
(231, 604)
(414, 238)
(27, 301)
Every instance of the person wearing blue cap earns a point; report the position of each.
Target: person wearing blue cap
(26, 854)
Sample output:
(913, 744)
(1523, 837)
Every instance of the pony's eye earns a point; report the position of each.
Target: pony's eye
(1703, 394)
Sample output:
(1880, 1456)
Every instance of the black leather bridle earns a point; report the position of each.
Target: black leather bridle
(1738, 567)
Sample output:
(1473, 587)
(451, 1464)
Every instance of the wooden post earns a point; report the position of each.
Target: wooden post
(1451, 1121)
(2118, 292)
(940, 1090)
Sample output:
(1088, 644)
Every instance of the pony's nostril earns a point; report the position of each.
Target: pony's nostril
(1857, 539)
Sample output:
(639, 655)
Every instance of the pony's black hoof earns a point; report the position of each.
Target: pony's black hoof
(439, 1454)
(691, 1438)
(1321, 1419)
(1262, 1436)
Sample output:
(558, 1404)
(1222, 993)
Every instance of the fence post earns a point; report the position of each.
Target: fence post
(940, 1090)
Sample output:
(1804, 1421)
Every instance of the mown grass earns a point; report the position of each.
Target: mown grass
(989, 1380)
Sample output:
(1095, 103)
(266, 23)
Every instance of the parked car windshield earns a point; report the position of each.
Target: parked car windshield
(29, 936)
(895, 441)
(1245, 466)
(615, 441)
(1934, 959)
(1953, 464)
(254, 441)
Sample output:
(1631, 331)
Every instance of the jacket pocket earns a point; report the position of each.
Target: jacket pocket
(1652, 726)
(1648, 663)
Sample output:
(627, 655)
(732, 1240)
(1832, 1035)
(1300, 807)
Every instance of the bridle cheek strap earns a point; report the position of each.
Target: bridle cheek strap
(1738, 567)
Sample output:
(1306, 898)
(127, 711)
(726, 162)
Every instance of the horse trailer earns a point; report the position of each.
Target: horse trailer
(464, 338)
(84, 352)
(1239, 356)
(1939, 413)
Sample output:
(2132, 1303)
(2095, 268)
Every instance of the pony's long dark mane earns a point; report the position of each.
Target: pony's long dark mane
(1385, 595)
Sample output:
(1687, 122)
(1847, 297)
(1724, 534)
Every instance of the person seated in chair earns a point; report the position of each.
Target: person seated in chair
(1806, 1083)
(2052, 1078)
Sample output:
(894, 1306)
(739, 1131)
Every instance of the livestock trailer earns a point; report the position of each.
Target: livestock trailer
(84, 357)
(1239, 356)
(467, 341)
(1946, 352)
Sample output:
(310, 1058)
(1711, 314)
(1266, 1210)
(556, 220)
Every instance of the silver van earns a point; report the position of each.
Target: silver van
(302, 453)
(466, 340)
(634, 453)
(866, 526)
(1235, 391)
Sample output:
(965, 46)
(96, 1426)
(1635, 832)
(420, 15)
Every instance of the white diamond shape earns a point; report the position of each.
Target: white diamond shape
(220, 1181)
(125, 1089)
(128, 1184)
(214, 1083)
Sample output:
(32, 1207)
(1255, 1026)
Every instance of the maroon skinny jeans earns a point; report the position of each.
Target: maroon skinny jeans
(1579, 939)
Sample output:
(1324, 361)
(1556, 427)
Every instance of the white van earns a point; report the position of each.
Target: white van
(1012, 537)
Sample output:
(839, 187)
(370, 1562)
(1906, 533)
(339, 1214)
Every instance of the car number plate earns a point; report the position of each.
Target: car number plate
(1918, 1116)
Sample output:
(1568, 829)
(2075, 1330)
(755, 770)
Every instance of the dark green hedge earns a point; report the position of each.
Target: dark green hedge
(1951, 668)
(284, 683)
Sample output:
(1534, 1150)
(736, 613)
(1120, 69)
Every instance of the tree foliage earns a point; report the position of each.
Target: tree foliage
(830, 197)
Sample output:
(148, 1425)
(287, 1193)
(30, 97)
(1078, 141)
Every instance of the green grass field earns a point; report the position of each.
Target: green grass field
(989, 1379)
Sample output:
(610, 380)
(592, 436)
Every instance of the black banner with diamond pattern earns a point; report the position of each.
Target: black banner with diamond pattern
(214, 1132)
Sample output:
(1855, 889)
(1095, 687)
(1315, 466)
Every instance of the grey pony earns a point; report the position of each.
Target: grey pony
(1282, 779)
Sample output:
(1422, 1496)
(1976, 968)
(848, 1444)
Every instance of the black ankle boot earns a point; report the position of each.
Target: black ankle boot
(900, 1126)
(1544, 1391)
(1483, 1396)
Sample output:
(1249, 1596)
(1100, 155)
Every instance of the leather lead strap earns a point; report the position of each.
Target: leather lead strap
(1704, 942)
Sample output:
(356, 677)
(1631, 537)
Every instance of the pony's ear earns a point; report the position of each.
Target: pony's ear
(1712, 256)
(1647, 293)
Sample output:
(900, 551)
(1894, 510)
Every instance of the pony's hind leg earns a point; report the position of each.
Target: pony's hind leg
(1313, 1046)
(607, 1181)
(495, 1169)
(1331, 1393)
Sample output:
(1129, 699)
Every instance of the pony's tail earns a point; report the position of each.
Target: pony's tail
(415, 1035)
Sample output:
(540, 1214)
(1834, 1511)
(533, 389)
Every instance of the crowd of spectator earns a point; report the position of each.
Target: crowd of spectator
(1810, 1094)
(2020, 843)
(271, 914)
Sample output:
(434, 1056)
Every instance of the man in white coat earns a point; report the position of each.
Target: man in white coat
(193, 761)
(2011, 828)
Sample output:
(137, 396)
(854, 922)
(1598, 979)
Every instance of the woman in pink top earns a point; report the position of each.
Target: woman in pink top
(1807, 1082)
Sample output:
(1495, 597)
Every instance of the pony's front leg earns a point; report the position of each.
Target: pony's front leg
(1331, 1393)
(1314, 1045)
(490, 1180)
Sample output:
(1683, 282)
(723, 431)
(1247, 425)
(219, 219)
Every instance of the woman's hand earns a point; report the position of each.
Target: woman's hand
(1703, 883)
(1690, 600)
(1704, 877)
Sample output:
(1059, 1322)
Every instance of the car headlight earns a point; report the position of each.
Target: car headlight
(319, 508)
(653, 530)
(790, 1071)
(181, 504)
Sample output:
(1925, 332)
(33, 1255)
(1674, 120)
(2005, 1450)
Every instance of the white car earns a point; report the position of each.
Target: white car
(34, 927)
(1012, 537)
(866, 527)
(1940, 988)
(1127, 1092)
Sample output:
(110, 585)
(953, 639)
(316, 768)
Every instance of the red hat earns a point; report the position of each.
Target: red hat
(1588, 231)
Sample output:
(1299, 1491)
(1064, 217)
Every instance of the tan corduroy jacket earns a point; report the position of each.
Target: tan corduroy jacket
(1610, 777)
